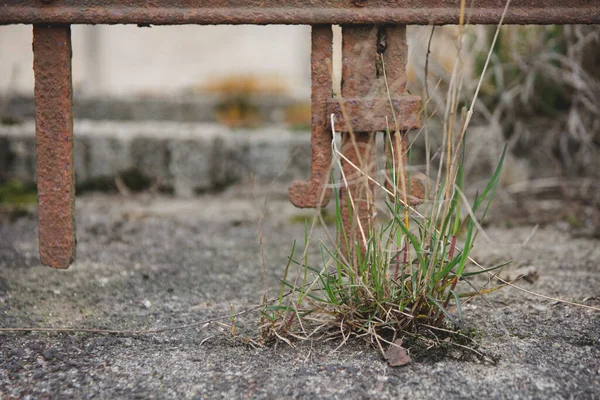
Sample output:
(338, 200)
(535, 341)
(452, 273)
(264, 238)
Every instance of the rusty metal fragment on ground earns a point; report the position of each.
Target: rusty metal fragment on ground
(54, 144)
(312, 193)
(404, 12)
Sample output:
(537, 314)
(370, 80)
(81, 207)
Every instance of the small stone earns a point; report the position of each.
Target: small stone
(50, 353)
(13, 366)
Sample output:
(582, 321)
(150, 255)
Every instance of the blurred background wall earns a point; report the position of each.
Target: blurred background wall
(162, 60)
(127, 60)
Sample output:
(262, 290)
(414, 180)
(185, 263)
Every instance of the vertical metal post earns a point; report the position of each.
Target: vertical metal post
(312, 193)
(394, 58)
(359, 75)
(54, 144)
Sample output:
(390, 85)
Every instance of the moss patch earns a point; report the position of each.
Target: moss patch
(18, 194)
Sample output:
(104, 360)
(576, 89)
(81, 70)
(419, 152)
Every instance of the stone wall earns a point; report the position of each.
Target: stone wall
(187, 157)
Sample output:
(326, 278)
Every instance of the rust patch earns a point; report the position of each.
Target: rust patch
(312, 193)
(376, 114)
(54, 144)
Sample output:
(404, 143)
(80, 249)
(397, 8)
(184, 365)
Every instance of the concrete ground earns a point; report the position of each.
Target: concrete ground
(151, 262)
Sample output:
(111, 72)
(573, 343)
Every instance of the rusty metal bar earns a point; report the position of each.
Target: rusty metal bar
(54, 144)
(357, 211)
(395, 56)
(394, 60)
(312, 193)
(309, 12)
(359, 80)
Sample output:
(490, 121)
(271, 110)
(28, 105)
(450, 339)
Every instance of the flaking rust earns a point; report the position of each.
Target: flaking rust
(54, 144)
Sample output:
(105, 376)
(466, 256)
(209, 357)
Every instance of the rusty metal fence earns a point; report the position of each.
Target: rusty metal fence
(372, 30)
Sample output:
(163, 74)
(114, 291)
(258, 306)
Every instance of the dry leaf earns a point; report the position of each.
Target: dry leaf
(396, 355)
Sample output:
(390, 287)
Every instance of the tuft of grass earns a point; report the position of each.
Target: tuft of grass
(238, 111)
(17, 199)
(247, 84)
(407, 276)
(327, 218)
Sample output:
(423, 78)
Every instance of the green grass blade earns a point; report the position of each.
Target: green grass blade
(504, 264)
(304, 292)
(491, 186)
(287, 268)
(413, 239)
(466, 250)
(458, 306)
(447, 268)
(444, 311)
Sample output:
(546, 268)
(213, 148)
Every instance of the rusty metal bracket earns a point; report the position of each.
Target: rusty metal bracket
(54, 144)
(313, 193)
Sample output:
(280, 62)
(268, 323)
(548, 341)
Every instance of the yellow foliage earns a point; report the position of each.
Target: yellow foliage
(298, 116)
(245, 84)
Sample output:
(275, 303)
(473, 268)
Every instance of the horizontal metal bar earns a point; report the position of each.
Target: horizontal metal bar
(365, 115)
(208, 12)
